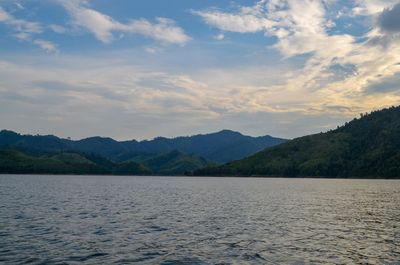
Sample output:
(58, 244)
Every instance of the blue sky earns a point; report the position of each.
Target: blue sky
(140, 69)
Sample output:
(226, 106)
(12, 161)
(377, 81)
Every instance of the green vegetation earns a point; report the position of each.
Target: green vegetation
(131, 168)
(14, 161)
(99, 155)
(220, 147)
(365, 147)
(175, 163)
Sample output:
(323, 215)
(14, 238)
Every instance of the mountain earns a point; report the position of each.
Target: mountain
(220, 147)
(131, 168)
(365, 147)
(103, 146)
(17, 162)
(14, 161)
(175, 163)
(44, 143)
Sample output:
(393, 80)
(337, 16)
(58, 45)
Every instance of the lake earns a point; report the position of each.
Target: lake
(182, 220)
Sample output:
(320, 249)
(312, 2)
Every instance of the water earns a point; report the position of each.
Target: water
(172, 220)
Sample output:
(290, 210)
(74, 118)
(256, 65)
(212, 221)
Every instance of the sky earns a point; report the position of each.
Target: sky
(140, 69)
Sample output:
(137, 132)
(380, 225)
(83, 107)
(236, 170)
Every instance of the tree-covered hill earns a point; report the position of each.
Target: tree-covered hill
(175, 163)
(13, 161)
(17, 162)
(218, 147)
(365, 147)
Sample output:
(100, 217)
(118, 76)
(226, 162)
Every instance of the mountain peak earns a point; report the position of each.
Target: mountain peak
(228, 132)
(8, 134)
(98, 139)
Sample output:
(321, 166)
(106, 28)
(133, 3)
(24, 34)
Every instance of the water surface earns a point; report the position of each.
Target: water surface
(178, 220)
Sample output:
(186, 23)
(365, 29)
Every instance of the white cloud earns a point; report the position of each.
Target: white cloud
(303, 27)
(57, 28)
(372, 7)
(142, 102)
(19, 6)
(4, 16)
(163, 30)
(100, 88)
(107, 84)
(105, 88)
(26, 30)
(152, 50)
(164, 101)
(242, 23)
(302, 23)
(48, 46)
(219, 36)
(23, 29)
(102, 26)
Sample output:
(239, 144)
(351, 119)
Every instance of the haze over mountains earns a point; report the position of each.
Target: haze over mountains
(31, 154)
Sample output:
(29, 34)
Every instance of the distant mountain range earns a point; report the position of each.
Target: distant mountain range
(367, 147)
(99, 155)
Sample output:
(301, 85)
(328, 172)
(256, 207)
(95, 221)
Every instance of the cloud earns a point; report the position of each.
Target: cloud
(57, 28)
(303, 28)
(163, 30)
(389, 19)
(103, 26)
(242, 23)
(153, 50)
(312, 69)
(371, 7)
(142, 103)
(25, 30)
(48, 46)
(99, 87)
(19, 6)
(4, 16)
(299, 26)
(390, 84)
(165, 101)
(219, 36)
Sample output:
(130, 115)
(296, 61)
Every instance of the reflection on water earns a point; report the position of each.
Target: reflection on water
(156, 220)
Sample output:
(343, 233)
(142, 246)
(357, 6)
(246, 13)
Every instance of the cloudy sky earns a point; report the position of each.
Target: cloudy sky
(140, 69)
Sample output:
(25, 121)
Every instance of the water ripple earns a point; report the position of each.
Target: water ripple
(138, 220)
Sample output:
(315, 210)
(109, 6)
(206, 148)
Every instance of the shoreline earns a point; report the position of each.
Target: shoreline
(184, 176)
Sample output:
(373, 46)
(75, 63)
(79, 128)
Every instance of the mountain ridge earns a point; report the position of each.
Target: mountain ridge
(204, 145)
(367, 147)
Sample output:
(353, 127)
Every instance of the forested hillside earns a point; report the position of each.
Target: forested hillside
(368, 146)
(220, 147)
